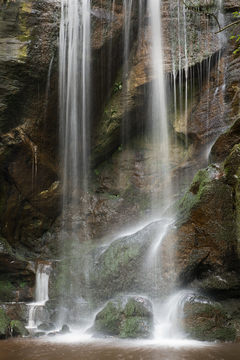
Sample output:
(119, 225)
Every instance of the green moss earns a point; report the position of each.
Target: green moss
(134, 308)
(6, 290)
(4, 324)
(134, 327)
(17, 328)
(108, 320)
(202, 184)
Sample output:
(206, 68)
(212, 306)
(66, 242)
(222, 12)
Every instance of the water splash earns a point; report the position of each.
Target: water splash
(168, 316)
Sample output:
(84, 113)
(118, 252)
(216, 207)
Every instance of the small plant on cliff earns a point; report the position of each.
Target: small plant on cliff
(236, 14)
(117, 87)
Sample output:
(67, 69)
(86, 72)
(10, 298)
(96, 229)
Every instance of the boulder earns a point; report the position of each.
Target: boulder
(65, 329)
(207, 321)
(129, 317)
(117, 267)
(45, 326)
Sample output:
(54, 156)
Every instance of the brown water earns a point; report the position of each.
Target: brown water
(38, 350)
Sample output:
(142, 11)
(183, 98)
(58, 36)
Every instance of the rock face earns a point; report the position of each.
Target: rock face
(206, 222)
(125, 318)
(17, 276)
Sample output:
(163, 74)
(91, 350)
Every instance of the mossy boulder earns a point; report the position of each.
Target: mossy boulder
(126, 318)
(4, 324)
(118, 267)
(207, 321)
(17, 328)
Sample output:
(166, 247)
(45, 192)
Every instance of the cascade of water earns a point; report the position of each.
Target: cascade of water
(41, 295)
(74, 108)
(127, 5)
(158, 111)
(169, 315)
(74, 83)
(74, 70)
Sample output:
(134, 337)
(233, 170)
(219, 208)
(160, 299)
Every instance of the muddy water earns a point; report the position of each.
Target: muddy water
(39, 350)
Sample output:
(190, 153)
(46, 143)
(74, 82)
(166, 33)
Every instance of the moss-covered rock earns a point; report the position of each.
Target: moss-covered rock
(4, 324)
(108, 320)
(126, 318)
(207, 322)
(117, 267)
(224, 284)
(136, 327)
(17, 328)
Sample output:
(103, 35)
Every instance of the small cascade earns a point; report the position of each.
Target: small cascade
(127, 5)
(168, 316)
(36, 309)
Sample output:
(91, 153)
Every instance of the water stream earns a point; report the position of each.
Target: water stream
(36, 309)
(74, 88)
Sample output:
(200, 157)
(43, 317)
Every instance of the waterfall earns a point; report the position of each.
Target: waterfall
(36, 309)
(74, 90)
(158, 112)
(75, 101)
(74, 70)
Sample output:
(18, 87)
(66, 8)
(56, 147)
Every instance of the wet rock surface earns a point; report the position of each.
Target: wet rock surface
(126, 318)
(116, 268)
(207, 321)
(205, 234)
